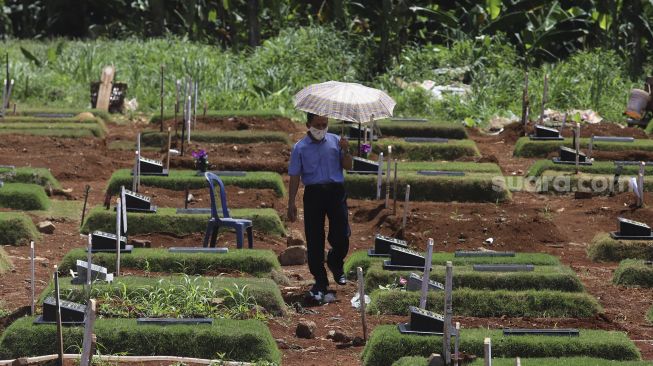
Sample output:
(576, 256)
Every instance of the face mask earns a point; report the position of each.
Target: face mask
(317, 134)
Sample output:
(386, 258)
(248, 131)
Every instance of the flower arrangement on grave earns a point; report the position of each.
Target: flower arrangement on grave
(365, 150)
(201, 160)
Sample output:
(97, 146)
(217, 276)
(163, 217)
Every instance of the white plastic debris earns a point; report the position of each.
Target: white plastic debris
(438, 91)
(355, 301)
(131, 105)
(489, 241)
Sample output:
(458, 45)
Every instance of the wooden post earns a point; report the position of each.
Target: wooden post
(9, 90)
(425, 276)
(183, 129)
(89, 262)
(590, 148)
(87, 355)
(387, 178)
(58, 310)
(456, 345)
(524, 102)
(86, 190)
(168, 154)
(195, 106)
(394, 191)
(545, 96)
(161, 125)
(177, 88)
(403, 223)
(205, 107)
(640, 183)
(189, 117)
(118, 222)
(517, 361)
(104, 92)
(577, 134)
(487, 356)
(186, 198)
(379, 177)
(4, 98)
(32, 258)
(564, 122)
(448, 313)
(361, 297)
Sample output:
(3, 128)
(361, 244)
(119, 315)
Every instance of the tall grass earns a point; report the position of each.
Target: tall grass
(268, 76)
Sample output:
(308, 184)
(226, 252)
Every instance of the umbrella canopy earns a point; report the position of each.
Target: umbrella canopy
(345, 101)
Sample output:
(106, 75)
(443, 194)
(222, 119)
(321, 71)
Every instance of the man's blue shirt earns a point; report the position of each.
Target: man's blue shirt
(317, 162)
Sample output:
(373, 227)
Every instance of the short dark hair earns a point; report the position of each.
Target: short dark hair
(310, 116)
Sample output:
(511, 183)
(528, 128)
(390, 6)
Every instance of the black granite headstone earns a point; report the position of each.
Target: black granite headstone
(361, 165)
(152, 167)
(97, 273)
(106, 242)
(137, 202)
(545, 133)
(415, 283)
(404, 258)
(382, 245)
(633, 230)
(423, 322)
(568, 154)
(70, 312)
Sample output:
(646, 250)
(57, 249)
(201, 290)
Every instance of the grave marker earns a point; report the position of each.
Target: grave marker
(87, 189)
(87, 343)
(161, 96)
(403, 258)
(118, 232)
(632, 230)
(577, 145)
(403, 222)
(364, 166)
(640, 177)
(394, 191)
(503, 267)
(168, 150)
(104, 92)
(382, 245)
(545, 96)
(106, 242)
(379, 176)
(32, 258)
(136, 202)
(607, 139)
(423, 322)
(415, 283)
(151, 167)
(355, 131)
(524, 102)
(97, 273)
(361, 297)
(387, 178)
(487, 352)
(457, 344)
(89, 263)
(569, 156)
(448, 312)
(70, 312)
(545, 133)
(425, 276)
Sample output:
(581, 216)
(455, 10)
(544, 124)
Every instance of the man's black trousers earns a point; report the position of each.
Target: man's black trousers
(320, 201)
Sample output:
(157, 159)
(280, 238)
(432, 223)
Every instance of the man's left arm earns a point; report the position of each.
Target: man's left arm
(346, 160)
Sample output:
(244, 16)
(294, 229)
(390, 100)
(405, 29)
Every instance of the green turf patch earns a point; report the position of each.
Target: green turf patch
(33, 112)
(59, 129)
(440, 129)
(156, 138)
(549, 361)
(632, 272)
(254, 261)
(452, 150)
(467, 167)
(240, 340)
(605, 249)
(70, 210)
(23, 196)
(387, 345)
(649, 315)
(598, 167)
(5, 261)
(179, 180)
(649, 128)
(361, 259)
(525, 147)
(166, 220)
(475, 187)
(222, 114)
(542, 278)
(255, 291)
(497, 303)
(16, 228)
(40, 176)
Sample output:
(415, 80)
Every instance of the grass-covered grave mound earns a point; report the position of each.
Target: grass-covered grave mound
(387, 345)
(16, 228)
(253, 261)
(176, 296)
(40, 176)
(23, 196)
(166, 220)
(361, 259)
(604, 248)
(542, 278)
(156, 138)
(634, 272)
(179, 180)
(527, 148)
(395, 128)
(424, 151)
(238, 340)
(546, 361)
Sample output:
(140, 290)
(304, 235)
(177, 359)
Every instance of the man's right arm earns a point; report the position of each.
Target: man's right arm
(292, 193)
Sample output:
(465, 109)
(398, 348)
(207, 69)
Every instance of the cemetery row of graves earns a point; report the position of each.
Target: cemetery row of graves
(214, 285)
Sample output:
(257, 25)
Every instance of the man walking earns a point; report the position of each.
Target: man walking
(319, 159)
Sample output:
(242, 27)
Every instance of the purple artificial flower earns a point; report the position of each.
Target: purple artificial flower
(199, 154)
(366, 148)
(403, 281)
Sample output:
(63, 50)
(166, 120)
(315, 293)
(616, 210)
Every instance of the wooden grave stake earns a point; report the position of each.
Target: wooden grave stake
(387, 178)
(189, 118)
(425, 276)
(487, 355)
(577, 147)
(118, 222)
(640, 185)
(33, 277)
(524, 102)
(205, 106)
(89, 262)
(195, 106)
(87, 354)
(379, 177)
(186, 198)
(564, 122)
(361, 297)
(448, 312)
(9, 90)
(58, 314)
(403, 223)
(394, 191)
(545, 96)
(517, 361)
(104, 92)
(168, 153)
(183, 127)
(161, 95)
(456, 345)
(87, 189)
(4, 97)
(177, 88)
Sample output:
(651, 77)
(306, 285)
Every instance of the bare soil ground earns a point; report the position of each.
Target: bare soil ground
(556, 224)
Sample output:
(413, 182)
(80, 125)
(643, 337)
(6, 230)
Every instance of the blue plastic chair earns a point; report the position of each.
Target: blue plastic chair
(215, 222)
